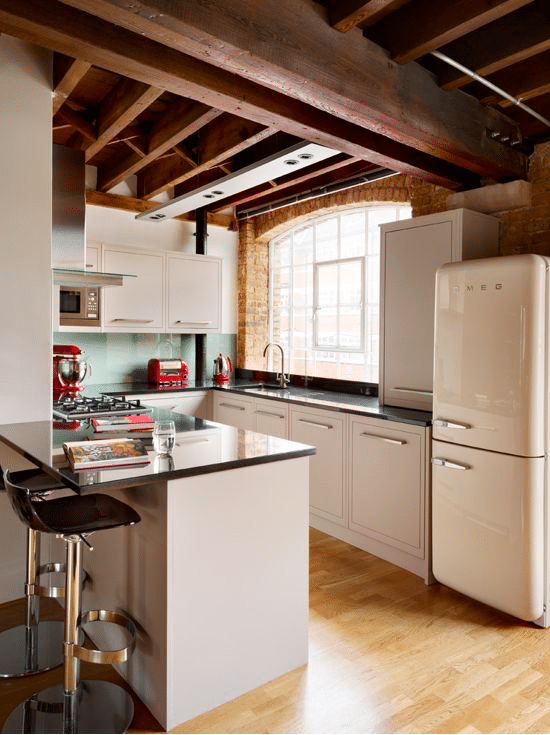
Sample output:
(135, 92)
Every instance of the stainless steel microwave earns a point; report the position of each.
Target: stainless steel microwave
(79, 306)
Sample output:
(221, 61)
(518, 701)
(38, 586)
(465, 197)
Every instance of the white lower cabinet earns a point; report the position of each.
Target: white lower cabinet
(233, 410)
(325, 430)
(369, 479)
(193, 403)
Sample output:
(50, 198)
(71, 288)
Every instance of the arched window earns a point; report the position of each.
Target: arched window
(324, 293)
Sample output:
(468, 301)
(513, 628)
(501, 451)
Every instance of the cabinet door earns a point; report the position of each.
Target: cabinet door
(410, 258)
(387, 489)
(325, 431)
(92, 257)
(194, 294)
(137, 306)
(193, 404)
(233, 410)
(271, 417)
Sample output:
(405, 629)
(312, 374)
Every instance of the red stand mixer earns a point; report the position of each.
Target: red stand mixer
(69, 370)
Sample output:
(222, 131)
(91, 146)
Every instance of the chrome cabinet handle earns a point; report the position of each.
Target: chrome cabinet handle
(232, 405)
(133, 321)
(384, 438)
(269, 413)
(451, 424)
(180, 443)
(442, 462)
(415, 390)
(314, 423)
(187, 321)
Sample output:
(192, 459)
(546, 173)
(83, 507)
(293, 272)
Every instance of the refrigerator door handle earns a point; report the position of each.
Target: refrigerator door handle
(451, 424)
(442, 462)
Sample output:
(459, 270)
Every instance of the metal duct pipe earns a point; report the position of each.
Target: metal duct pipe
(490, 85)
(330, 189)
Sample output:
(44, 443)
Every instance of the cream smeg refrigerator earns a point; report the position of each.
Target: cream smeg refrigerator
(490, 432)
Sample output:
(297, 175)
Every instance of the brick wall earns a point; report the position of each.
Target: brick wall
(525, 229)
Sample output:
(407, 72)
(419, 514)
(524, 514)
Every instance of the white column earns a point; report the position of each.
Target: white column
(25, 227)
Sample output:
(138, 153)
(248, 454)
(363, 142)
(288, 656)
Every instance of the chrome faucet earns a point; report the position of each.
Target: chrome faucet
(281, 377)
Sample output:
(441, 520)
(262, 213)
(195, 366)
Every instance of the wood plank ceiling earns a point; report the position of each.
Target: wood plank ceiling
(166, 97)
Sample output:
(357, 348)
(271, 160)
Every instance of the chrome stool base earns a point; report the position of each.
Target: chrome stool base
(25, 651)
(95, 707)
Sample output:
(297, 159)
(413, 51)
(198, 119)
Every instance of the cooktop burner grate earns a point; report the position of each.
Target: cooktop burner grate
(83, 407)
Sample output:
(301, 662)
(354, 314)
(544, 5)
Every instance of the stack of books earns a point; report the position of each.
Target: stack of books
(123, 423)
(104, 453)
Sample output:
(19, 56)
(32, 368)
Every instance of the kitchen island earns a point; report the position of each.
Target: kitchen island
(215, 574)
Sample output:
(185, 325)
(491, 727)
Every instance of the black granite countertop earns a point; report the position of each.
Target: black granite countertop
(316, 397)
(201, 447)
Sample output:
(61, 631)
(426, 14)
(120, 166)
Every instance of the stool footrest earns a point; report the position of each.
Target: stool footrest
(95, 656)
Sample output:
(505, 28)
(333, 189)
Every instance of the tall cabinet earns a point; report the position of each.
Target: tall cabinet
(410, 253)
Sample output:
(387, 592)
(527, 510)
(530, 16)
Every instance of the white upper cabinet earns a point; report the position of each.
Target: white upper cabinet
(137, 306)
(194, 293)
(410, 253)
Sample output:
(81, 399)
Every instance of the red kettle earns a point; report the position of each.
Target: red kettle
(222, 368)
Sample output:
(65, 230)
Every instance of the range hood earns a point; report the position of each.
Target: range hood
(69, 223)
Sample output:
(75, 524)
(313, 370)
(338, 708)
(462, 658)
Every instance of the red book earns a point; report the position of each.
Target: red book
(124, 423)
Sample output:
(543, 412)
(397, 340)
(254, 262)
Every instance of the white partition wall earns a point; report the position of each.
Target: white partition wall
(25, 224)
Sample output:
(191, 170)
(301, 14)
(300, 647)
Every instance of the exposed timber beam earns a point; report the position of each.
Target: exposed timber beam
(119, 109)
(449, 126)
(502, 44)
(436, 24)
(77, 122)
(131, 204)
(348, 76)
(67, 73)
(524, 80)
(346, 14)
(180, 121)
(223, 139)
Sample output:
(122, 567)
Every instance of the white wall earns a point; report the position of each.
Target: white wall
(25, 224)
(117, 227)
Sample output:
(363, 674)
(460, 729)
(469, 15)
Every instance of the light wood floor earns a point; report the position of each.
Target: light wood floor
(387, 655)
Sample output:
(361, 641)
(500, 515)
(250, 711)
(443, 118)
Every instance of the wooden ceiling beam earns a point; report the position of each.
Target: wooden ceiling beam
(120, 107)
(225, 138)
(337, 163)
(525, 80)
(352, 171)
(131, 204)
(436, 24)
(348, 77)
(67, 73)
(346, 14)
(180, 121)
(449, 126)
(499, 46)
(77, 122)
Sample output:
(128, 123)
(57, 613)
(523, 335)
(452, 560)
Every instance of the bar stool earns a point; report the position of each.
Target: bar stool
(36, 645)
(76, 706)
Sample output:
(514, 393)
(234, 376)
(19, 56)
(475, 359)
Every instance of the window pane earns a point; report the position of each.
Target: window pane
(350, 328)
(302, 286)
(351, 283)
(280, 253)
(326, 239)
(327, 328)
(352, 234)
(327, 285)
(303, 246)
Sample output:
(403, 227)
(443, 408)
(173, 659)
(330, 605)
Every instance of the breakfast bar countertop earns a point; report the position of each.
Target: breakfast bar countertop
(201, 447)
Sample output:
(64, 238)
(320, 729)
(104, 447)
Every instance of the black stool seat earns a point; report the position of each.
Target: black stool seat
(84, 514)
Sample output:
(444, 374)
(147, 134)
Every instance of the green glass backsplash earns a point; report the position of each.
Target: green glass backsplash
(122, 358)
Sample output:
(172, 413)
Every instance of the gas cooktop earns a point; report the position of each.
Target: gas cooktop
(84, 407)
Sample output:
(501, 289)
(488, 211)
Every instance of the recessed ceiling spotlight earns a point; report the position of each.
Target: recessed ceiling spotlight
(305, 156)
(217, 191)
(208, 196)
(291, 162)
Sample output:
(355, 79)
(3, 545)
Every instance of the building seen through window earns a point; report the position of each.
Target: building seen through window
(324, 293)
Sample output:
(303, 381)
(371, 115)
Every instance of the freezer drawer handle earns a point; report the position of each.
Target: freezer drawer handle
(133, 321)
(384, 438)
(232, 405)
(415, 390)
(451, 424)
(442, 462)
